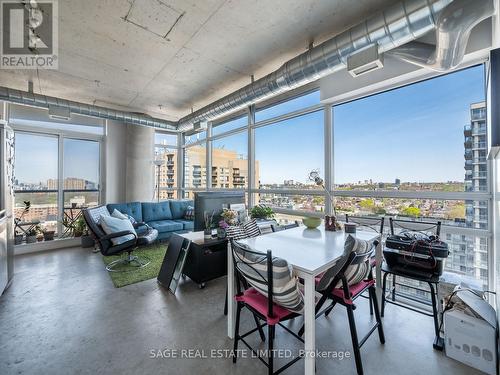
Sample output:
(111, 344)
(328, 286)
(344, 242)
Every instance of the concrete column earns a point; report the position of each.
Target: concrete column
(115, 151)
(140, 172)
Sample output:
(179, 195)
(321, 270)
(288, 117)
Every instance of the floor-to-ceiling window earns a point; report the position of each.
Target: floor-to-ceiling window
(229, 158)
(195, 163)
(419, 152)
(287, 149)
(36, 182)
(57, 172)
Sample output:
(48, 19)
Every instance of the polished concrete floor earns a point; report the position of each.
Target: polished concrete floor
(62, 315)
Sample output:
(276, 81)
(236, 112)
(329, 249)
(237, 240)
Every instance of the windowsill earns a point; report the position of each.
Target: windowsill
(36, 247)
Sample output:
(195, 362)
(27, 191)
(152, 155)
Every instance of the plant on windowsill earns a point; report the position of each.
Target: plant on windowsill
(48, 235)
(262, 212)
(39, 233)
(31, 235)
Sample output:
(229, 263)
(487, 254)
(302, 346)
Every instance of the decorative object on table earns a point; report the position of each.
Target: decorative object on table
(350, 228)
(31, 235)
(209, 218)
(158, 163)
(311, 222)
(331, 223)
(221, 230)
(261, 212)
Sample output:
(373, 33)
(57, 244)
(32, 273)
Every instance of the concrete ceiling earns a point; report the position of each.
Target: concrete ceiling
(164, 57)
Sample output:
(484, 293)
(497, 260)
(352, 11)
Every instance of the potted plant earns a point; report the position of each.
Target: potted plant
(39, 233)
(262, 212)
(79, 227)
(31, 235)
(87, 240)
(48, 235)
(18, 238)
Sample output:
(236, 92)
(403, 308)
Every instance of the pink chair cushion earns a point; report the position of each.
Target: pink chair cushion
(259, 303)
(354, 290)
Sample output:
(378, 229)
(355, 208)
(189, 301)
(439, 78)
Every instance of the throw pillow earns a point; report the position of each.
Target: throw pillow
(354, 273)
(189, 213)
(112, 225)
(120, 215)
(251, 228)
(235, 232)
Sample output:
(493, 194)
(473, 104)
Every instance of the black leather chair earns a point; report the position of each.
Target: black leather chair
(106, 246)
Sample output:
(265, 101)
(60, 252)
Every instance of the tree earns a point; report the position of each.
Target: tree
(411, 211)
(367, 204)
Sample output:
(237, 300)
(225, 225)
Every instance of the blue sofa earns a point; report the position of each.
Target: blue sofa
(167, 216)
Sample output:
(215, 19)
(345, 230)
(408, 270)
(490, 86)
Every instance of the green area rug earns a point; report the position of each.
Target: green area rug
(154, 253)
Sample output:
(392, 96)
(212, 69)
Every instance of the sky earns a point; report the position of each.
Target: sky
(414, 133)
(37, 155)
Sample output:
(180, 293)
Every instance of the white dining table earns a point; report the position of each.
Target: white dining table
(310, 252)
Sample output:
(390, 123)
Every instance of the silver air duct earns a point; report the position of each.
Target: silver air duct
(36, 100)
(455, 23)
(397, 26)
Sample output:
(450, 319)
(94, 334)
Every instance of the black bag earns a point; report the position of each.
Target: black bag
(416, 252)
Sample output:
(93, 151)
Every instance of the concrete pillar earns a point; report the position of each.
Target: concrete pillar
(140, 171)
(116, 162)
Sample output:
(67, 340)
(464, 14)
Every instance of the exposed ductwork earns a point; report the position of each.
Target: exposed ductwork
(455, 24)
(393, 31)
(42, 101)
(397, 26)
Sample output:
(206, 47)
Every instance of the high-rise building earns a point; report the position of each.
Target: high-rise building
(469, 255)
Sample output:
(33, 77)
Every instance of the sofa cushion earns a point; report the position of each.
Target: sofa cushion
(179, 207)
(156, 211)
(186, 224)
(112, 225)
(133, 209)
(165, 225)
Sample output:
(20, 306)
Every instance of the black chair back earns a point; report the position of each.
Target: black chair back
(253, 266)
(352, 259)
(422, 227)
(375, 224)
(92, 216)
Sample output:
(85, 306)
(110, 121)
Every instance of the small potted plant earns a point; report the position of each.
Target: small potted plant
(79, 227)
(18, 238)
(87, 240)
(221, 230)
(31, 235)
(39, 233)
(48, 235)
(209, 218)
(262, 212)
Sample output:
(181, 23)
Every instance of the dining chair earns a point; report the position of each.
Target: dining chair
(374, 224)
(340, 291)
(266, 287)
(420, 227)
(279, 228)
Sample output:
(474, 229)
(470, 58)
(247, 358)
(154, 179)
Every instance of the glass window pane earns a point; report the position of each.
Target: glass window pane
(287, 151)
(195, 173)
(308, 203)
(230, 162)
(168, 171)
(288, 106)
(413, 138)
(43, 211)
(35, 182)
(189, 139)
(230, 125)
(81, 164)
(165, 139)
